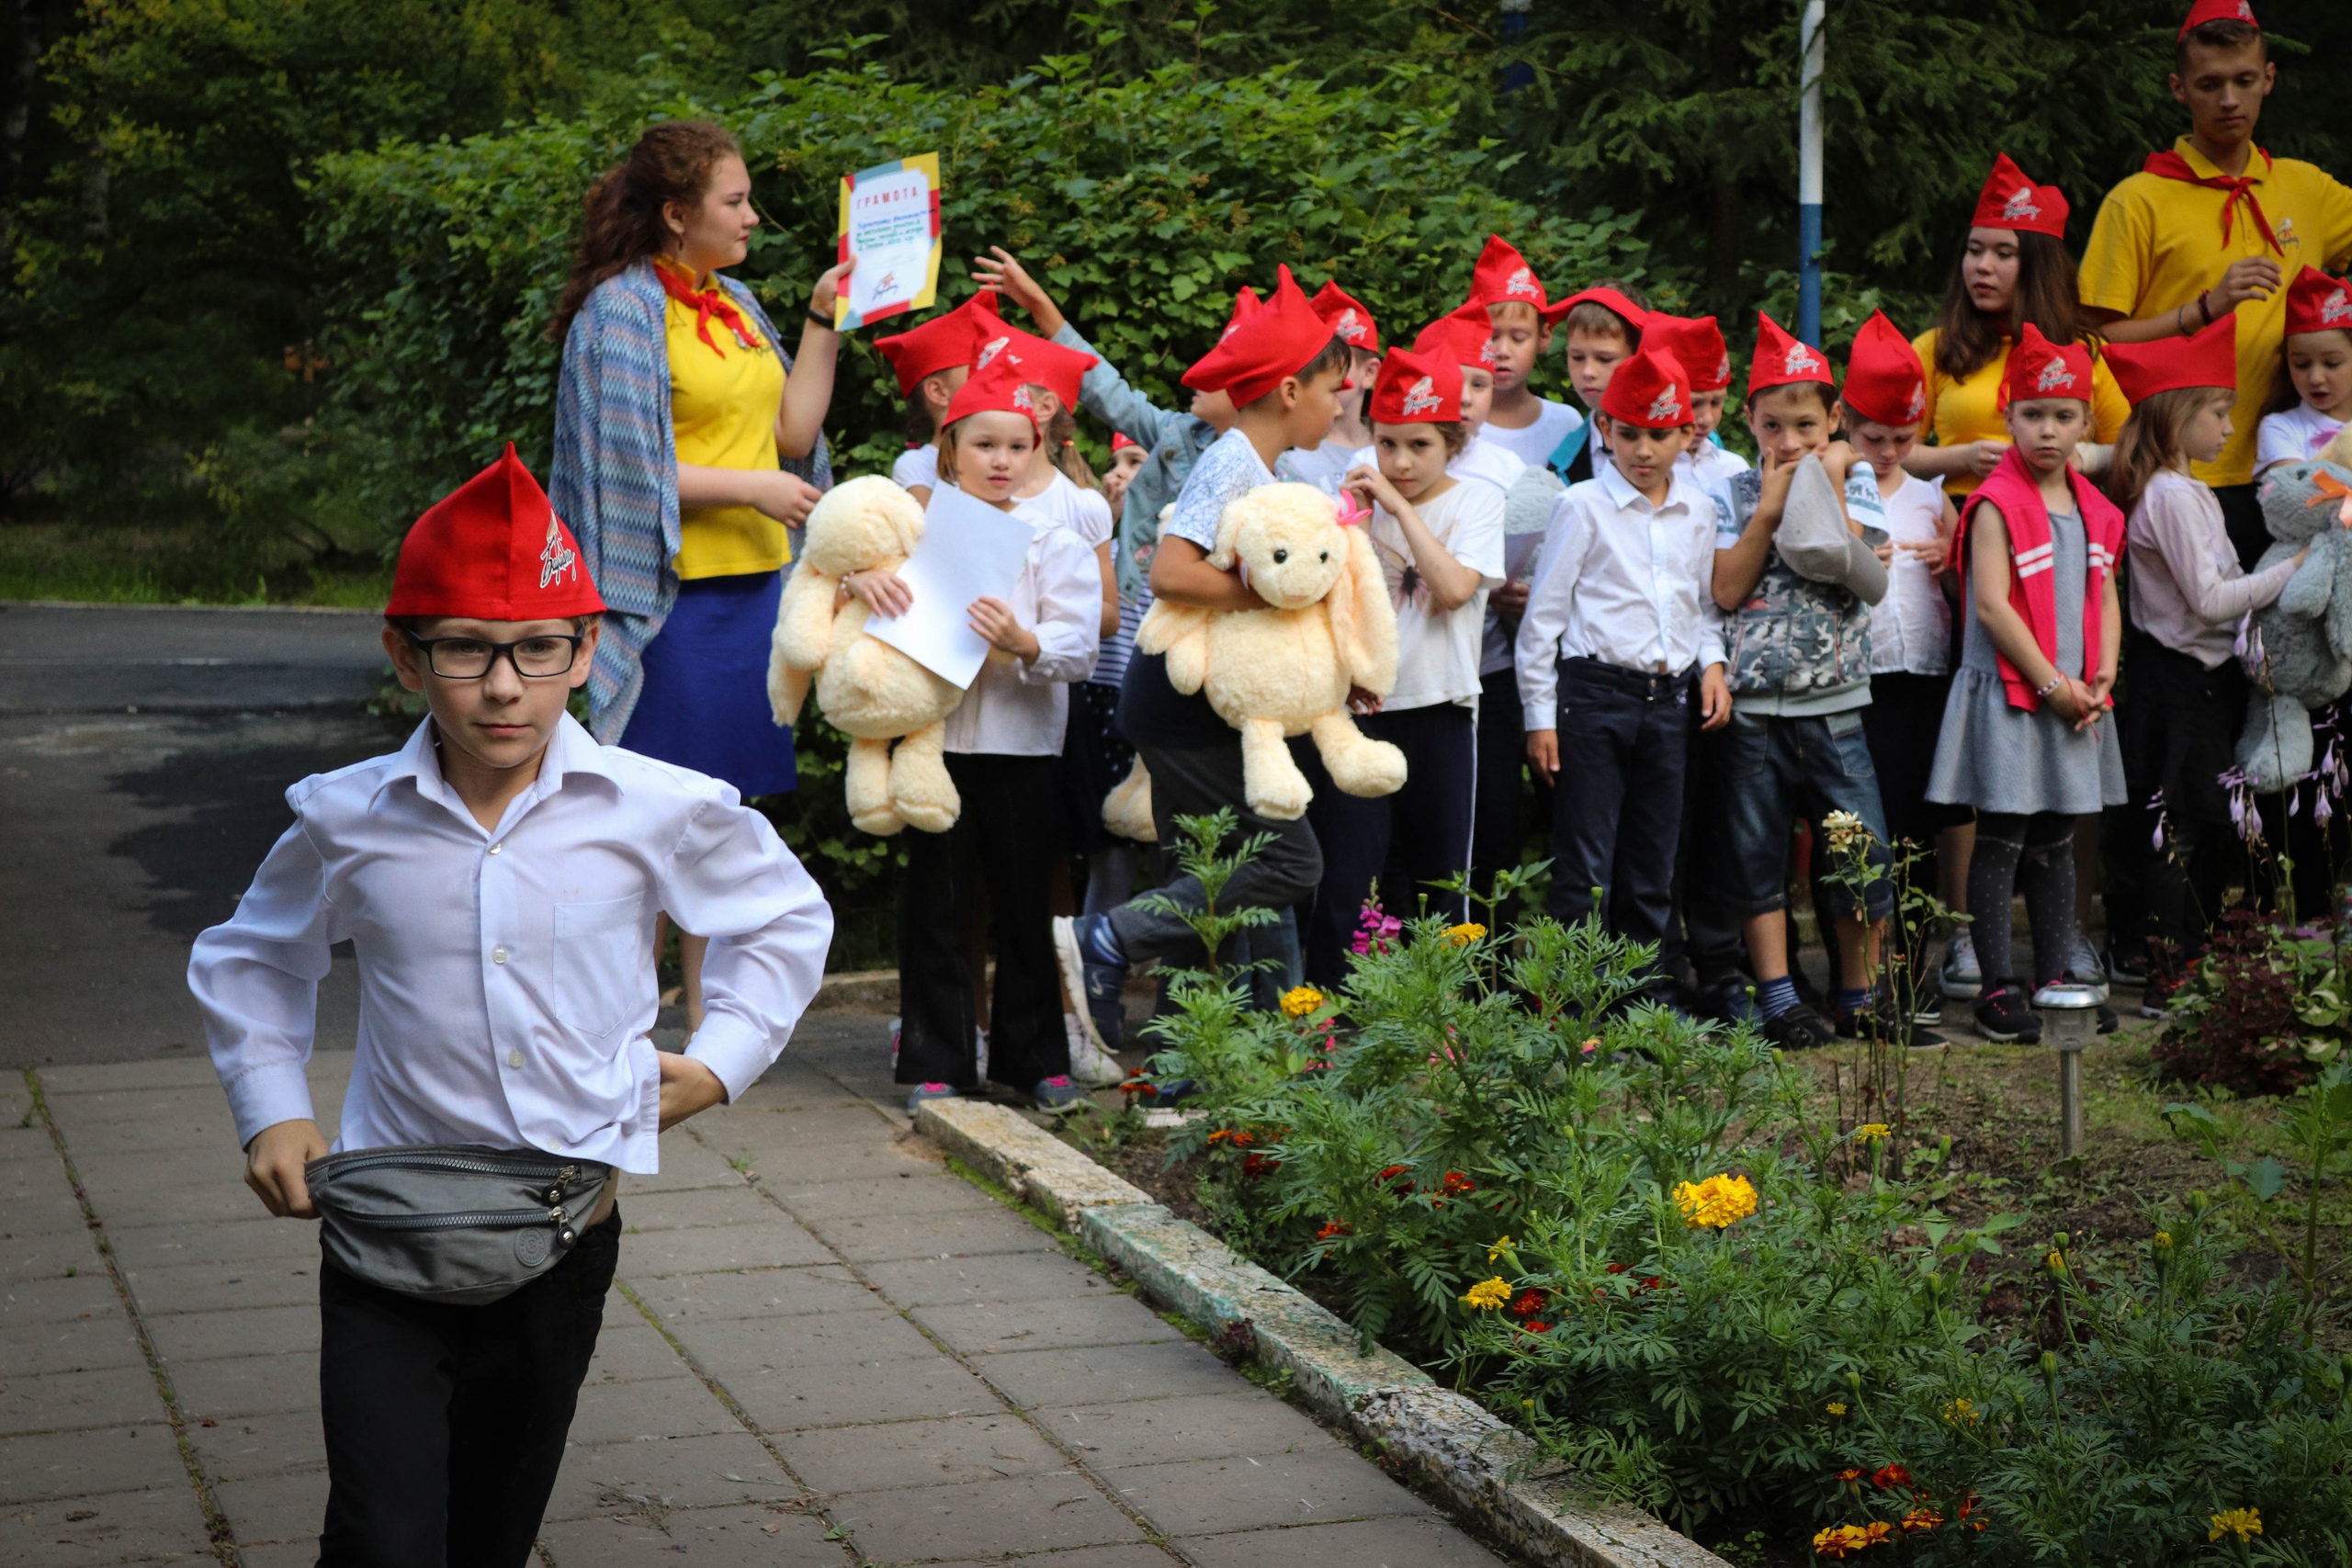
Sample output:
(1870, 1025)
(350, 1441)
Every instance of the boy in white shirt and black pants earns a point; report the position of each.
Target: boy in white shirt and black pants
(500, 876)
(1621, 620)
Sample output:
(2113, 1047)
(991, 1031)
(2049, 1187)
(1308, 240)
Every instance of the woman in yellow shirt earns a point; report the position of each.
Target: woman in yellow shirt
(2014, 268)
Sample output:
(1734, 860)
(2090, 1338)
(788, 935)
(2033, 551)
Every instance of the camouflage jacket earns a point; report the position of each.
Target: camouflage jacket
(1793, 637)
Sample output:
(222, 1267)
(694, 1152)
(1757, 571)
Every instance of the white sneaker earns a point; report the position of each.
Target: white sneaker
(893, 1045)
(1960, 977)
(1089, 1063)
(981, 1054)
(2083, 967)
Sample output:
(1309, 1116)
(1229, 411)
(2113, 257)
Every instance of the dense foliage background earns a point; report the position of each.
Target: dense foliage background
(278, 270)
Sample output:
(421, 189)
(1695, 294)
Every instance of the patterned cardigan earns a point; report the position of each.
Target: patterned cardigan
(616, 478)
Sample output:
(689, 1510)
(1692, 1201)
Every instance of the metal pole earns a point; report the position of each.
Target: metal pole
(2070, 1103)
(1812, 36)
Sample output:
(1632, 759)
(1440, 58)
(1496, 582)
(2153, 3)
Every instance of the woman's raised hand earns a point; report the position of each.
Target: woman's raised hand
(829, 288)
(1003, 269)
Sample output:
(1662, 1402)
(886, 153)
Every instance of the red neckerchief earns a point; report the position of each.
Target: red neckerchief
(707, 302)
(2171, 165)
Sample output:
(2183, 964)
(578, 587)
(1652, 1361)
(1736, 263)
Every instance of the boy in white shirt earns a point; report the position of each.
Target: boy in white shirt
(500, 876)
(1619, 631)
(1440, 540)
(1697, 342)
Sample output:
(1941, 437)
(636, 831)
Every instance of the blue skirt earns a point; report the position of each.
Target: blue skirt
(705, 705)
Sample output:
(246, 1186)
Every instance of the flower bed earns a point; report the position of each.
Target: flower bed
(1640, 1240)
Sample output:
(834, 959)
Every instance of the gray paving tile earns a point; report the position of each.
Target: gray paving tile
(212, 1286)
(989, 1326)
(628, 1350)
(680, 1406)
(99, 1078)
(162, 1523)
(919, 1453)
(786, 1091)
(114, 1396)
(79, 1464)
(644, 1212)
(728, 1347)
(1309, 1486)
(259, 1241)
(247, 1448)
(29, 1349)
(877, 1238)
(254, 1331)
(1365, 1543)
(766, 1135)
(686, 1163)
(1158, 1432)
(212, 1192)
(786, 1158)
(1019, 1514)
(298, 1553)
(289, 1506)
(853, 1392)
(247, 1385)
(58, 1299)
(766, 1537)
(1084, 1557)
(40, 1208)
(1050, 1378)
(764, 1292)
(1008, 1277)
(54, 1257)
(909, 1195)
(726, 1469)
(777, 1243)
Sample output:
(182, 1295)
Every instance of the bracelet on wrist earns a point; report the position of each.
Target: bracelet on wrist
(2055, 682)
(818, 319)
(2205, 305)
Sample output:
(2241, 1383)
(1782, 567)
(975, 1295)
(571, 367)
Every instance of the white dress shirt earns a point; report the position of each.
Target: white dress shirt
(1622, 581)
(507, 976)
(1017, 709)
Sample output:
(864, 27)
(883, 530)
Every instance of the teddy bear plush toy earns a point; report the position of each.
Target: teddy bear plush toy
(1287, 669)
(869, 691)
(2299, 656)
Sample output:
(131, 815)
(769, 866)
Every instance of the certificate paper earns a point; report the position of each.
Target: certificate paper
(968, 549)
(889, 226)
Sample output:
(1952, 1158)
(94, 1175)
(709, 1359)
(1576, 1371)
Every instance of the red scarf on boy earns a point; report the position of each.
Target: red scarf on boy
(2170, 165)
(2017, 494)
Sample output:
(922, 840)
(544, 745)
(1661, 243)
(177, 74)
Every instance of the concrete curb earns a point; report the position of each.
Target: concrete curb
(1449, 1444)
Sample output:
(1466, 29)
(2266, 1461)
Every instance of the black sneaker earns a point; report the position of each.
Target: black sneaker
(1881, 1021)
(1798, 1029)
(2127, 966)
(2107, 1022)
(2006, 1017)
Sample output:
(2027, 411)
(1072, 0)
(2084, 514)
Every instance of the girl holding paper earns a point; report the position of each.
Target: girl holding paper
(1004, 746)
(687, 443)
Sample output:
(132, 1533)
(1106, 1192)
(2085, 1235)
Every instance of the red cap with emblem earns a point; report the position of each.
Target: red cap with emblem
(1650, 391)
(1263, 343)
(1041, 363)
(1119, 442)
(2318, 303)
(1417, 388)
(998, 387)
(2010, 200)
(1503, 277)
(1884, 382)
(2167, 365)
(1349, 321)
(1609, 298)
(940, 344)
(1698, 343)
(493, 549)
(2040, 368)
(2206, 11)
(1781, 361)
(1467, 333)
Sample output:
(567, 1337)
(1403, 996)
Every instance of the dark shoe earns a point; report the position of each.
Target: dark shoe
(1057, 1096)
(2157, 994)
(1881, 1022)
(2107, 1022)
(2006, 1017)
(2127, 966)
(924, 1093)
(1798, 1029)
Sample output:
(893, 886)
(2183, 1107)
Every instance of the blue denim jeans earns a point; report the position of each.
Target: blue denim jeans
(1775, 769)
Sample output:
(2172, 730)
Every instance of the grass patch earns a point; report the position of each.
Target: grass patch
(167, 564)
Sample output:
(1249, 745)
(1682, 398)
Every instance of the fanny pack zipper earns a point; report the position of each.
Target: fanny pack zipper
(483, 1217)
(480, 1164)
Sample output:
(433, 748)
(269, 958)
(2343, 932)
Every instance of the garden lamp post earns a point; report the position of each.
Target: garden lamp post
(2069, 1023)
(1813, 39)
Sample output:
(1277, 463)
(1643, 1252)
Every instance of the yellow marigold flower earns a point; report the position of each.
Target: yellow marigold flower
(1464, 934)
(2161, 1241)
(1500, 1247)
(1840, 1541)
(1488, 1294)
(1836, 1408)
(2057, 1261)
(1871, 1131)
(1717, 1203)
(2243, 1523)
(1960, 1411)
(1299, 1002)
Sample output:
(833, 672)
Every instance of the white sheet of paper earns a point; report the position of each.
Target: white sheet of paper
(968, 549)
(889, 235)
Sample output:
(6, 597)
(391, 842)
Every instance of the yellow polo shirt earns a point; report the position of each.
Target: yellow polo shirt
(2157, 245)
(1969, 409)
(723, 410)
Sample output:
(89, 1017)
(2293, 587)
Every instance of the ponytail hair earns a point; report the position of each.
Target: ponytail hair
(2150, 441)
(621, 217)
(1060, 436)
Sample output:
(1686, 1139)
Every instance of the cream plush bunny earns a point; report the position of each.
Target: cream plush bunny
(1287, 669)
(870, 691)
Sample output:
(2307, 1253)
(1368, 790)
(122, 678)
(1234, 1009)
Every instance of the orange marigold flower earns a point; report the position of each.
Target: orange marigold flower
(1456, 1183)
(1331, 1228)
(1891, 1476)
(1839, 1541)
(1529, 1303)
(1878, 1532)
(1257, 1165)
(1616, 1268)
(1539, 1328)
(1921, 1520)
(1849, 1476)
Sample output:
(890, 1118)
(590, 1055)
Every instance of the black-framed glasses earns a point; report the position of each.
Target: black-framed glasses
(469, 659)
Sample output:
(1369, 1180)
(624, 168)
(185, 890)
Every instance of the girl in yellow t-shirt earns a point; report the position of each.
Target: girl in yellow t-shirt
(2013, 268)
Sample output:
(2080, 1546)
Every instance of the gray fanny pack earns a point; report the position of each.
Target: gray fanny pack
(452, 1222)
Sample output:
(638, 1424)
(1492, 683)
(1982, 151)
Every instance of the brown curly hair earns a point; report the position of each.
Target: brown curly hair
(621, 216)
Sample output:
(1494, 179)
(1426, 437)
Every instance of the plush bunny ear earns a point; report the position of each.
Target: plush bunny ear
(1363, 621)
(1238, 512)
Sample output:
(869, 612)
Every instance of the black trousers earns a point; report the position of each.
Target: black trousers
(1617, 809)
(1710, 938)
(1499, 813)
(446, 1425)
(2242, 520)
(1005, 839)
(2178, 730)
(1418, 836)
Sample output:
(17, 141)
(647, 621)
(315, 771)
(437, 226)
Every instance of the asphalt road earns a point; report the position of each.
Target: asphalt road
(144, 757)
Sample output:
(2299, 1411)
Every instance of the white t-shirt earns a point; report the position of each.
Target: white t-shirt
(1437, 652)
(2294, 435)
(1323, 467)
(1533, 445)
(1911, 628)
(1711, 468)
(1479, 461)
(917, 466)
(1069, 505)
